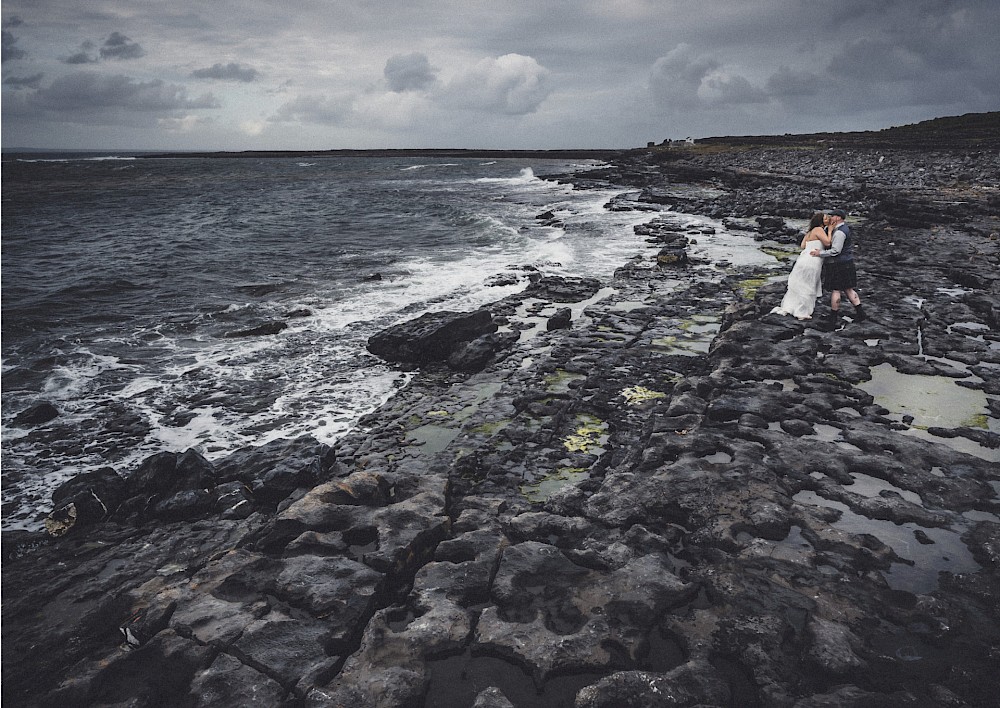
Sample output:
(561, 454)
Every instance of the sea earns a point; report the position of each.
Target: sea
(129, 284)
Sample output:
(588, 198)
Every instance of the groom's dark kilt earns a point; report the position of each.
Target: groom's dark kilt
(839, 275)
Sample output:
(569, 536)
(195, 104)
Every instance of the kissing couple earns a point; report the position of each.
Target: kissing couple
(825, 261)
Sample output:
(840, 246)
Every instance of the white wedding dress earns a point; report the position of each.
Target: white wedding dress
(803, 284)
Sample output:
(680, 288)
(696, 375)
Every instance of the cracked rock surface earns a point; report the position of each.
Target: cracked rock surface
(678, 499)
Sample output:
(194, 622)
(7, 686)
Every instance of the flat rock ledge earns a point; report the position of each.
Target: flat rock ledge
(673, 498)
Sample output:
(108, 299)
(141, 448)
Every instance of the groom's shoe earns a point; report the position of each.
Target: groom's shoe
(859, 314)
(832, 320)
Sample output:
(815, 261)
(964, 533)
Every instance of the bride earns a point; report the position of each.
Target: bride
(804, 280)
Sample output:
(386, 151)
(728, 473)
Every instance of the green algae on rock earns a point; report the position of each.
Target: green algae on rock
(589, 436)
(639, 394)
(541, 490)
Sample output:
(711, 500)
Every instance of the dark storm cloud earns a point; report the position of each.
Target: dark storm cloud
(409, 72)
(25, 82)
(118, 46)
(10, 52)
(552, 74)
(227, 72)
(92, 92)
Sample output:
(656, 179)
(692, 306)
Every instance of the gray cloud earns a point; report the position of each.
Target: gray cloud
(227, 72)
(409, 72)
(677, 77)
(9, 51)
(24, 82)
(733, 90)
(321, 110)
(788, 83)
(80, 58)
(871, 59)
(93, 92)
(583, 73)
(511, 85)
(83, 56)
(118, 46)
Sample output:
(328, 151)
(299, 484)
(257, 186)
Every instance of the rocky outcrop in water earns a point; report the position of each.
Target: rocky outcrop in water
(432, 337)
(679, 499)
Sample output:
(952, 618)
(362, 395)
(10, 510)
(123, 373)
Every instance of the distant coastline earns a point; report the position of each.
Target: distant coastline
(967, 131)
(596, 154)
(560, 154)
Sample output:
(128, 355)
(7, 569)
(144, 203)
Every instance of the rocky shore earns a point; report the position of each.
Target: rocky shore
(642, 492)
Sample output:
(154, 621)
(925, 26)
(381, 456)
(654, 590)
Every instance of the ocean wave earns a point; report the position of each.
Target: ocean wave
(526, 176)
(102, 158)
(141, 363)
(430, 165)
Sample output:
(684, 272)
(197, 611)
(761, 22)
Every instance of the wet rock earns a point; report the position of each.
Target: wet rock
(672, 256)
(38, 414)
(696, 683)
(146, 622)
(475, 355)
(552, 614)
(234, 500)
(228, 682)
(502, 280)
(562, 319)
(261, 330)
(850, 696)
(168, 472)
(719, 524)
(833, 647)
(283, 647)
(432, 337)
(559, 289)
(984, 542)
(388, 669)
(492, 697)
(275, 470)
(164, 666)
(185, 504)
(548, 218)
(86, 499)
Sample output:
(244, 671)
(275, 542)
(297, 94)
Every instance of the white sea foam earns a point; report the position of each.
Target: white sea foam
(196, 389)
(432, 165)
(69, 381)
(527, 176)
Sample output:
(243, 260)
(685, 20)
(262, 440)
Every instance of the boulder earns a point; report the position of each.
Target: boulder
(36, 415)
(563, 319)
(85, 499)
(672, 256)
(558, 289)
(475, 355)
(432, 337)
(261, 330)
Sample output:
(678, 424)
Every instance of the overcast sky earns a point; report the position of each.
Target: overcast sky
(318, 74)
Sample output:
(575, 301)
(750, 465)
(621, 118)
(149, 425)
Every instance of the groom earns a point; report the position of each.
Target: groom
(838, 268)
